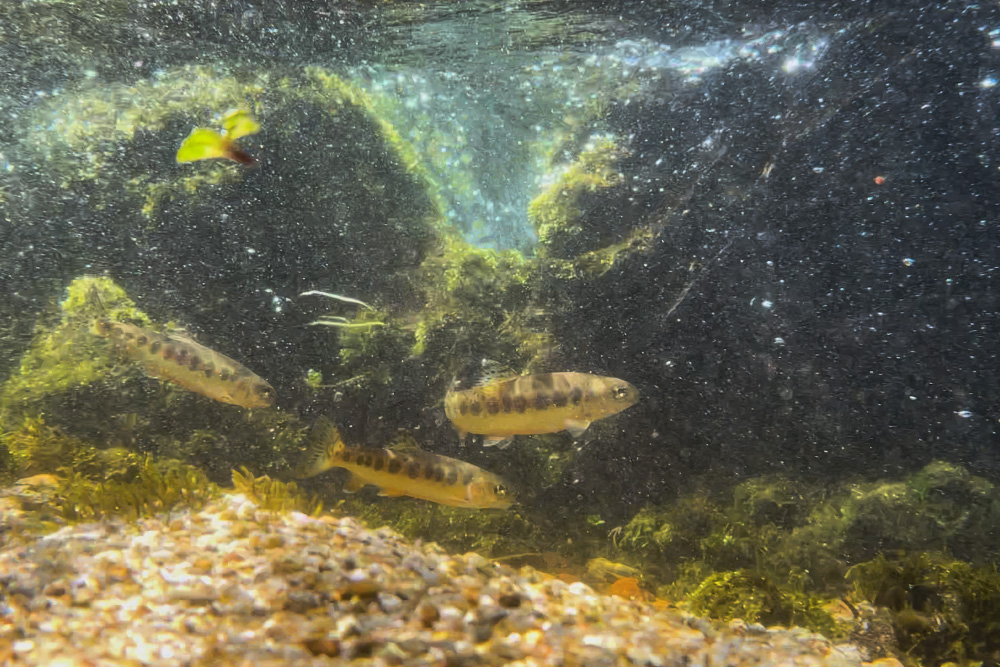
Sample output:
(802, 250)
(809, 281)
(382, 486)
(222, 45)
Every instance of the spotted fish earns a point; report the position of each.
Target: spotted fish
(404, 470)
(189, 364)
(533, 404)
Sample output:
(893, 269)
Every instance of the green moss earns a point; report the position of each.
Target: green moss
(373, 351)
(942, 609)
(559, 212)
(675, 531)
(275, 495)
(200, 178)
(65, 353)
(119, 142)
(158, 486)
(37, 448)
(774, 500)
(336, 92)
(756, 598)
(541, 462)
(458, 324)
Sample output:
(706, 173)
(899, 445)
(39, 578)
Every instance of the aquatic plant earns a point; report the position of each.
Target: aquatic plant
(755, 597)
(275, 495)
(486, 532)
(35, 447)
(675, 531)
(459, 325)
(64, 353)
(159, 486)
(942, 609)
(372, 352)
(560, 212)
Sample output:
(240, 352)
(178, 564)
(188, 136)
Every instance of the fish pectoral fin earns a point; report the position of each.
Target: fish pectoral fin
(499, 441)
(354, 484)
(391, 493)
(576, 427)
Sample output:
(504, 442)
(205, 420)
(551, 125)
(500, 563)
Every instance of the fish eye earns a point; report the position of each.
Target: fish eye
(500, 490)
(265, 391)
(619, 392)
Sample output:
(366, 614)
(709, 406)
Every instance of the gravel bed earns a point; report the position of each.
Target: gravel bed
(235, 585)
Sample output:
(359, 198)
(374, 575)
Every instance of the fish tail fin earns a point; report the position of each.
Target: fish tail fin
(323, 438)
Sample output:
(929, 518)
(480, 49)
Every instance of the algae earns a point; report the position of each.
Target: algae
(65, 353)
(562, 213)
(275, 495)
(754, 597)
(486, 532)
(158, 486)
(941, 609)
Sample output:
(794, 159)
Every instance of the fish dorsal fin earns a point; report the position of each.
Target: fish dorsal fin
(404, 442)
(180, 334)
(494, 371)
(323, 436)
(324, 432)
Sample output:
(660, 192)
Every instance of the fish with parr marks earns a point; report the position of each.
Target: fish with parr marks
(182, 361)
(535, 404)
(404, 470)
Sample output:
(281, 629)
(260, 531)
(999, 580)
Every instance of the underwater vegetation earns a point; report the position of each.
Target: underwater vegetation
(941, 608)
(489, 533)
(657, 191)
(778, 550)
(567, 215)
(72, 388)
(755, 597)
(64, 353)
(356, 216)
(156, 487)
(275, 495)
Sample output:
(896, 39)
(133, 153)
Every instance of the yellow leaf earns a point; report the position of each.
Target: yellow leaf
(202, 144)
(239, 123)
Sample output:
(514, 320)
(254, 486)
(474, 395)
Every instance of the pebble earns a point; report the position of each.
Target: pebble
(233, 584)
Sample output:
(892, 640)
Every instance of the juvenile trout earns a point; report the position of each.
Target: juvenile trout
(533, 404)
(189, 364)
(404, 470)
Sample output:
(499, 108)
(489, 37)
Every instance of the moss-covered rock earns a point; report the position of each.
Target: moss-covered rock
(73, 401)
(568, 215)
(941, 609)
(65, 354)
(338, 201)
